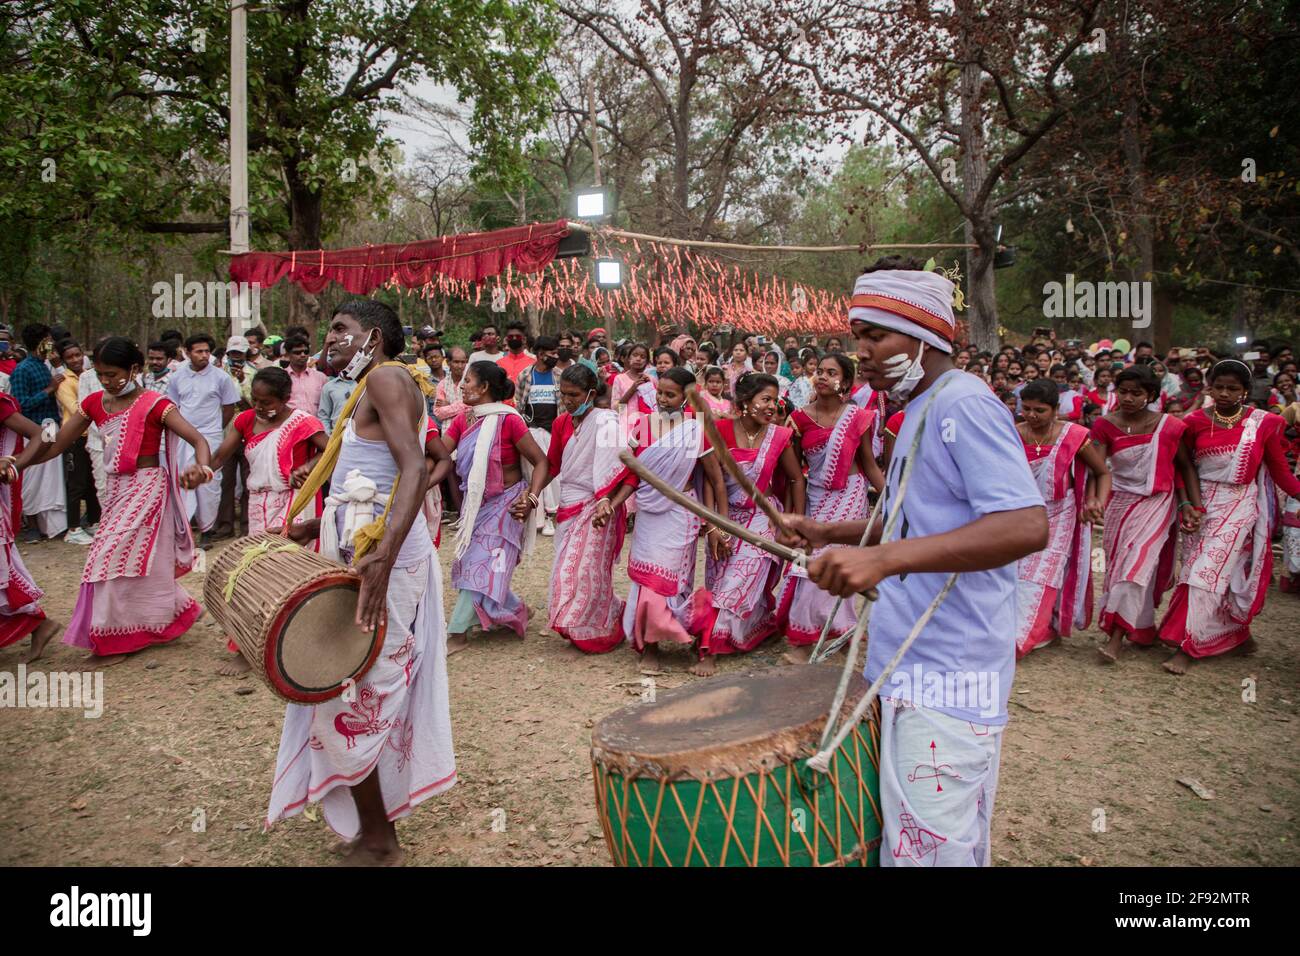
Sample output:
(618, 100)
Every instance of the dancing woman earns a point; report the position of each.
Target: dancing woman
(20, 598)
(1228, 561)
(130, 596)
(739, 578)
(584, 609)
(1145, 450)
(497, 517)
(661, 562)
(276, 439)
(1054, 586)
(835, 439)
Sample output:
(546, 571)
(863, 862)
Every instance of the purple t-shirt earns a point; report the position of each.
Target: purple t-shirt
(970, 463)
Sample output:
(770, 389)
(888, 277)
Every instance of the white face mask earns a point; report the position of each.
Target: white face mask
(128, 388)
(360, 359)
(905, 372)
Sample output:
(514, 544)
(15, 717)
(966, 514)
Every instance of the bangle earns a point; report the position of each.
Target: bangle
(532, 499)
(207, 470)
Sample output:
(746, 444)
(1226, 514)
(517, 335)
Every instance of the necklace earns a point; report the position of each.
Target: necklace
(1128, 429)
(1228, 422)
(1047, 439)
(749, 439)
(808, 410)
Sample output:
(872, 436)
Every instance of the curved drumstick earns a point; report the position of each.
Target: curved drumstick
(705, 415)
(634, 465)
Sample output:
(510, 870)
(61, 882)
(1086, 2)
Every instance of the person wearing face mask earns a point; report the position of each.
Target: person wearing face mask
(538, 395)
(835, 440)
(517, 357)
(971, 506)
(502, 472)
(376, 466)
(275, 438)
(565, 353)
(584, 464)
(488, 346)
(130, 594)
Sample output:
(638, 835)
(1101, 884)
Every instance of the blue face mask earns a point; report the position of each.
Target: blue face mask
(585, 406)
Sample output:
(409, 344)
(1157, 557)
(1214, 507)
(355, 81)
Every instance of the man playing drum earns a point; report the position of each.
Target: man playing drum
(384, 746)
(972, 507)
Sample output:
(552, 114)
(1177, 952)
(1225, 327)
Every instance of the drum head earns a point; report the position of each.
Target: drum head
(318, 646)
(726, 726)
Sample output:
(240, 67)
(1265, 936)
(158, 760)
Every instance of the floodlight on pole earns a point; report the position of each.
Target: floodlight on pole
(591, 203)
(609, 273)
(1242, 340)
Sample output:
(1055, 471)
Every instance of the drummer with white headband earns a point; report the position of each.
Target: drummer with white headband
(971, 507)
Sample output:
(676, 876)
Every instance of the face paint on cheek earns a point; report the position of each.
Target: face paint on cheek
(897, 365)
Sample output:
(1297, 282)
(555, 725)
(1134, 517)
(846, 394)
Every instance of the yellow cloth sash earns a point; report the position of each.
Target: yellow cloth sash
(366, 538)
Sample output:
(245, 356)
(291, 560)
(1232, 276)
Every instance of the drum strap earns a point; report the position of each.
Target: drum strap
(367, 537)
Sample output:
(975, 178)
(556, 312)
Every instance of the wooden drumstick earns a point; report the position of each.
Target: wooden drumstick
(793, 555)
(705, 415)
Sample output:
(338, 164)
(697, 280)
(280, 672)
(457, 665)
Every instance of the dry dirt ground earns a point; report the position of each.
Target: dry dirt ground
(177, 746)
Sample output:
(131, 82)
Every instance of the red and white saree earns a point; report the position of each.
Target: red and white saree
(1139, 534)
(272, 456)
(1228, 562)
(20, 598)
(130, 597)
(739, 590)
(1054, 586)
(584, 609)
(661, 561)
(835, 493)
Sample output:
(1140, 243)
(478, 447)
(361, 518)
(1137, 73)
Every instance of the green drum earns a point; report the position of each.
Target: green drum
(716, 774)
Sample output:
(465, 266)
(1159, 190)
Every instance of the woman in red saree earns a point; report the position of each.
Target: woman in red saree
(1054, 586)
(1239, 454)
(130, 596)
(1145, 450)
(20, 598)
(584, 610)
(835, 441)
(275, 439)
(739, 579)
(661, 562)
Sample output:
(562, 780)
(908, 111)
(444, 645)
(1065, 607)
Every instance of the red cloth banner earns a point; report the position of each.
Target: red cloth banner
(469, 257)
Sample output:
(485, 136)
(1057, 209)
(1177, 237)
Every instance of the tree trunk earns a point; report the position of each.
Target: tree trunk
(981, 299)
(305, 213)
(1141, 233)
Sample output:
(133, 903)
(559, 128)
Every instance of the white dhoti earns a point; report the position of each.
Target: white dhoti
(45, 498)
(938, 778)
(201, 504)
(551, 493)
(398, 719)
